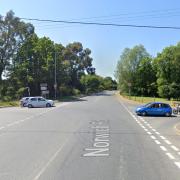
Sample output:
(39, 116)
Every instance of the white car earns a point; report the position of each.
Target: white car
(24, 101)
(39, 102)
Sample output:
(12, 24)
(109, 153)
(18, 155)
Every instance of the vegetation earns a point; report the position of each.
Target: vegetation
(26, 61)
(139, 74)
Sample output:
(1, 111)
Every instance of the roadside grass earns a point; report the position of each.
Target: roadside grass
(9, 103)
(143, 100)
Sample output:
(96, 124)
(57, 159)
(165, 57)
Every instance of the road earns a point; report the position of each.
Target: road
(96, 138)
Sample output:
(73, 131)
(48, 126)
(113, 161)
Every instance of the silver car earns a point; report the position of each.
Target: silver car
(24, 101)
(39, 102)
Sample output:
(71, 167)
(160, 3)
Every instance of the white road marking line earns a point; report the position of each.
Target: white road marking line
(163, 148)
(31, 117)
(145, 122)
(175, 148)
(149, 133)
(157, 142)
(162, 137)
(177, 164)
(154, 130)
(170, 155)
(145, 129)
(2, 127)
(167, 142)
(157, 133)
(179, 153)
(49, 162)
(153, 137)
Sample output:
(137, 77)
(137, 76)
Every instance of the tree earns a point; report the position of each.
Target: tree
(168, 72)
(13, 33)
(109, 83)
(146, 78)
(127, 68)
(91, 83)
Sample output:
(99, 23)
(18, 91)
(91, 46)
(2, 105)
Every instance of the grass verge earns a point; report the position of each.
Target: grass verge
(144, 100)
(9, 103)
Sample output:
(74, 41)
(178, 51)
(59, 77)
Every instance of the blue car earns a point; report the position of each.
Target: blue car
(154, 108)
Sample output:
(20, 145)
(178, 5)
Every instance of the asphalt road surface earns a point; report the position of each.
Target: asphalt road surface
(96, 138)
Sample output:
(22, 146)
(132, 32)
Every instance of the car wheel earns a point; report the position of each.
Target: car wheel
(144, 113)
(175, 111)
(30, 106)
(48, 105)
(24, 105)
(167, 114)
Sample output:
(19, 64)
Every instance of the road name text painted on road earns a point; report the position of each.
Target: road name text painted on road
(101, 140)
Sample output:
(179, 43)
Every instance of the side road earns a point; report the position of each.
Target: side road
(174, 121)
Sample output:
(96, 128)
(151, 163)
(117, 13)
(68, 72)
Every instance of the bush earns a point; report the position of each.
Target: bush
(76, 92)
(65, 90)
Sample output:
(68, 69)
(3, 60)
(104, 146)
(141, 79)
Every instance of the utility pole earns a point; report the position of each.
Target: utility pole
(55, 79)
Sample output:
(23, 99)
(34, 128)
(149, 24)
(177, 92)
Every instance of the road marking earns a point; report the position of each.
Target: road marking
(175, 148)
(157, 142)
(2, 127)
(163, 148)
(177, 164)
(49, 162)
(145, 129)
(100, 146)
(170, 155)
(167, 142)
(153, 137)
(162, 137)
(149, 133)
(34, 116)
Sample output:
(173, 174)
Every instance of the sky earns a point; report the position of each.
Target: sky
(106, 43)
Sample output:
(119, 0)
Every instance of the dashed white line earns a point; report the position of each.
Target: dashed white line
(153, 137)
(157, 142)
(157, 133)
(175, 148)
(149, 133)
(154, 130)
(167, 142)
(2, 127)
(163, 148)
(170, 155)
(162, 137)
(177, 164)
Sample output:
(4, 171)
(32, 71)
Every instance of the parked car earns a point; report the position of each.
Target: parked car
(154, 108)
(24, 101)
(39, 102)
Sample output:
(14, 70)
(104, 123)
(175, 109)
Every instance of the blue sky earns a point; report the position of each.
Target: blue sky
(106, 43)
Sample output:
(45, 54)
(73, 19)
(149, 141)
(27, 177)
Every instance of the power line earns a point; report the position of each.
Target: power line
(102, 24)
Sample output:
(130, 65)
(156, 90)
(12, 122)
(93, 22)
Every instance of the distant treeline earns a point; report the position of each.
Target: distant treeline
(26, 61)
(140, 74)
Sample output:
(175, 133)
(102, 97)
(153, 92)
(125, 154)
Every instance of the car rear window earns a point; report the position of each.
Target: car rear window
(33, 99)
(165, 105)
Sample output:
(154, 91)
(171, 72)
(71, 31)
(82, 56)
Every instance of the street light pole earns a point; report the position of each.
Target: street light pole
(55, 79)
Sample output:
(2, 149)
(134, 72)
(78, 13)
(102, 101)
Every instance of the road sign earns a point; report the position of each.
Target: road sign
(43, 88)
(43, 84)
(45, 92)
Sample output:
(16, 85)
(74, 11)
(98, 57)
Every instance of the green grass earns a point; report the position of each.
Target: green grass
(9, 103)
(144, 100)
